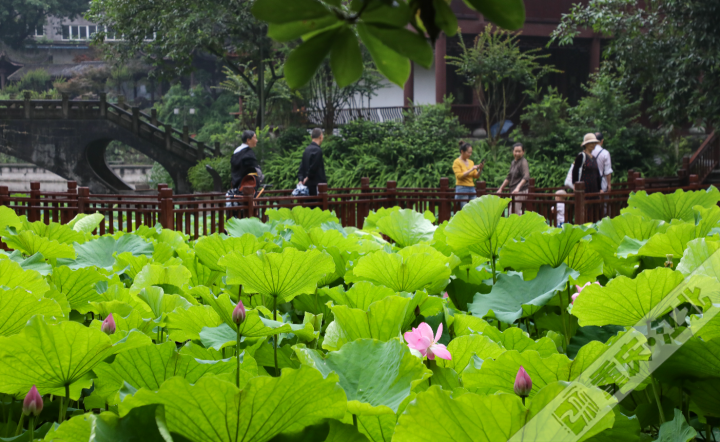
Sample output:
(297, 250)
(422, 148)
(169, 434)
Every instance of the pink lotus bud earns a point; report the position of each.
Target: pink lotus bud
(238, 314)
(33, 403)
(108, 325)
(523, 383)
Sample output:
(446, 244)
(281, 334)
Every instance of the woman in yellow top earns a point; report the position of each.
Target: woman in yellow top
(465, 173)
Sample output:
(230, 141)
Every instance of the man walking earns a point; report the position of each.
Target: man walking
(243, 161)
(312, 167)
(604, 163)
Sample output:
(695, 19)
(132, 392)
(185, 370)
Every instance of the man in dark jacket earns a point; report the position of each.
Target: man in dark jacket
(312, 168)
(244, 161)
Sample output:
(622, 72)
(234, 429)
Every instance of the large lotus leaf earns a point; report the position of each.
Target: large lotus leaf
(86, 223)
(55, 356)
(406, 227)
(200, 275)
(325, 238)
(464, 325)
(624, 429)
(237, 227)
(370, 223)
(549, 247)
(17, 306)
(463, 348)
(586, 261)
(158, 275)
(140, 424)
(210, 249)
(511, 297)
(13, 275)
(30, 243)
(100, 252)
(254, 326)
(700, 258)
(626, 302)
(278, 275)
(78, 286)
(129, 264)
(376, 376)
(360, 295)
(8, 218)
(186, 324)
(677, 430)
(706, 395)
(341, 258)
(411, 269)
(695, 359)
(35, 262)
(480, 228)
(162, 254)
(161, 303)
(499, 374)
(149, 366)
(383, 321)
(434, 416)
(515, 339)
(672, 242)
(613, 231)
(666, 207)
(61, 233)
(377, 428)
(264, 408)
(118, 293)
(302, 216)
(134, 321)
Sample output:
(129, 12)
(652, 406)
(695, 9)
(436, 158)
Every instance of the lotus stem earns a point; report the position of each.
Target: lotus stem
(564, 314)
(237, 355)
(64, 404)
(494, 270)
(31, 428)
(657, 399)
(20, 425)
(355, 421)
(275, 338)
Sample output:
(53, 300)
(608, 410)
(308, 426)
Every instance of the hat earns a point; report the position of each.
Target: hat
(589, 138)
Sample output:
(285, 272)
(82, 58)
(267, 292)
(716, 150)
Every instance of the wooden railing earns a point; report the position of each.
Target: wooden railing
(207, 213)
(704, 160)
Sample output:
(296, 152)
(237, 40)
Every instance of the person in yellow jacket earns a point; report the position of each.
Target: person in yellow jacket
(465, 173)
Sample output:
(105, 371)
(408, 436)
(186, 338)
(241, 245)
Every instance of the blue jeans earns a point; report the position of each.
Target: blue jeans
(465, 194)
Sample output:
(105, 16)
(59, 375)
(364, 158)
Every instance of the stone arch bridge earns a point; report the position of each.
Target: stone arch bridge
(69, 138)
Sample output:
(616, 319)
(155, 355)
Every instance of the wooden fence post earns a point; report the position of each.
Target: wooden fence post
(444, 214)
(26, 104)
(34, 213)
(83, 203)
(186, 134)
(364, 207)
(168, 136)
(579, 196)
(529, 206)
(631, 179)
(392, 193)
(639, 182)
(103, 104)
(153, 117)
(249, 197)
(121, 101)
(4, 196)
(480, 188)
(694, 182)
(684, 172)
(136, 120)
(167, 207)
(71, 204)
(322, 193)
(201, 150)
(65, 106)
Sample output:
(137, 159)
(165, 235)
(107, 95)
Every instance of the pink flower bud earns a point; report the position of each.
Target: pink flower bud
(33, 403)
(238, 314)
(523, 383)
(108, 325)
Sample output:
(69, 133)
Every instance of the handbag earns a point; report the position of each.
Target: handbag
(301, 190)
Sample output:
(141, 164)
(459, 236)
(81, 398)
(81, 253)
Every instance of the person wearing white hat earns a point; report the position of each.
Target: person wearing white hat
(585, 168)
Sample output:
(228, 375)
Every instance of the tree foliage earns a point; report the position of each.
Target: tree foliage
(19, 18)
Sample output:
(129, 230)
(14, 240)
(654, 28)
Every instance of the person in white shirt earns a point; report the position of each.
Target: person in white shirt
(604, 165)
(559, 208)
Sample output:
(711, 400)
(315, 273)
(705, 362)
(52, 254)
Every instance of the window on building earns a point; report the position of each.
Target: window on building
(83, 32)
(66, 32)
(40, 31)
(92, 30)
(110, 34)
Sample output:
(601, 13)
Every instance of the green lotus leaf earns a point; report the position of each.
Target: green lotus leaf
(210, 249)
(464, 325)
(550, 247)
(383, 321)
(100, 252)
(200, 275)
(611, 232)
(163, 276)
(694, 360)
(85, 222)
(378, 428)
(371, 220)
(667, 207)
(677, 430)
(8, 218)
(626, 302)
(706, 395)
(624, 429)
(411, 269)
(515, 339)
(278, 275)
(129, 264)
(672, 242)
(17, 306)
(35, 262)
(237, 227)
(463, 348)
(325, 238)
(586, 261)
(118, 293)
(306, 217)
(481, 229)
(264, 408)
(186, 324)
(161, 303)
(149, 366)
(511, 297)
(376, 376)
(13, 275)
(341, 259)
(29, 243)
(134, 321)
(55, 356)
(467, 281)
(700, 258)
(62, 233)
(254, 326)
(435, 416)
(406, 227)
(78, 286)
(360, 295)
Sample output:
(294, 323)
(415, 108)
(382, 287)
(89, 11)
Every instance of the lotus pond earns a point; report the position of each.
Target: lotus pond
(483, 328)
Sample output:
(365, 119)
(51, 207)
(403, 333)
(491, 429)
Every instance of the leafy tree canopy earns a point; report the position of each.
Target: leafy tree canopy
(20, 18)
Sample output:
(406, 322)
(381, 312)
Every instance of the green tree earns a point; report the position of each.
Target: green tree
(667, 51)
(501, 76)
(20, 18)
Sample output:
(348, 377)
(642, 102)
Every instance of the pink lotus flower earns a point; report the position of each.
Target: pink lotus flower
(33, 403)
(445, 295)
(523, 383)
(580, 289)
(108, 325)
(422, 340)
(238, 314)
